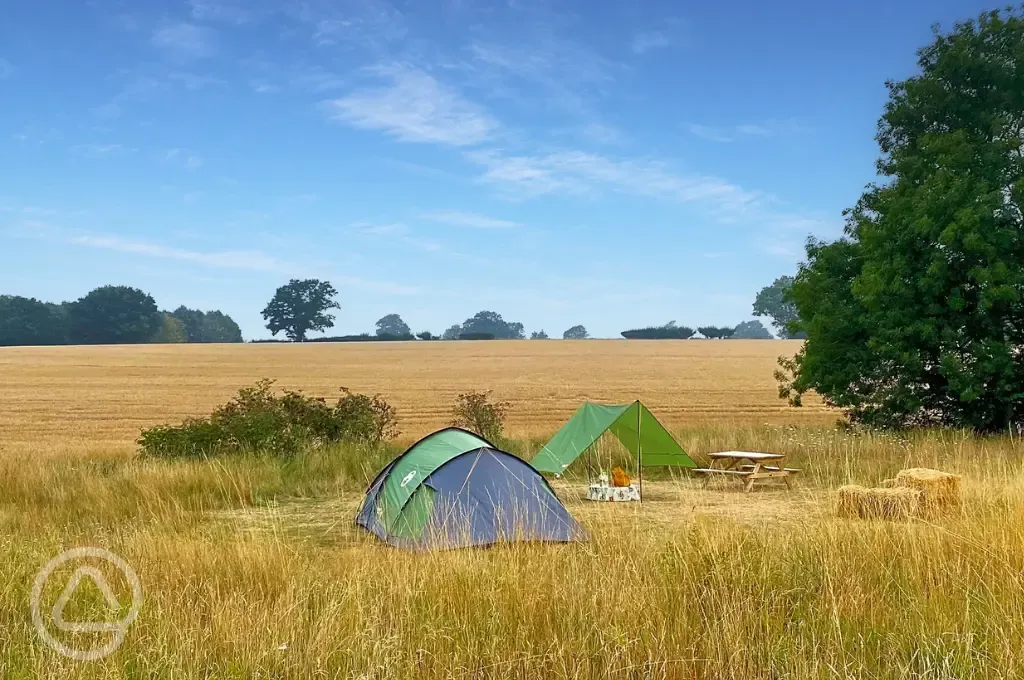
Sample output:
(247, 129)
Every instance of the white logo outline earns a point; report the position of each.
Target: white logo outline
(118, 628)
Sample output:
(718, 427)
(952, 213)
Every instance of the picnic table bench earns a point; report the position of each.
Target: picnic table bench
(760, 466)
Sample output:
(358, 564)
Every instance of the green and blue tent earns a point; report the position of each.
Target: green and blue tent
(455, 489)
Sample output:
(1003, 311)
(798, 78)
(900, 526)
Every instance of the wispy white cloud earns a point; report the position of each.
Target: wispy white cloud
(399, 233)
(248, 260)
(601, 133)
(381, 229)
(582, 172)
(367, 23)
(10, 206)
(424, 244)
(650, 40)
(184, 41)
(546, 68)
(263, 87)
(709, 133)
(578, 172)
(189, 161)
(459, 218)
(753, 129)
(6, 69)
(227, 259)
(194, 81)
(415, 107)
(423, 170)
(100, 150)
(770, 128)
(138, 87)
(318, 79)
(35, 133)
(786, 250)
(525, 175)
(237, 13)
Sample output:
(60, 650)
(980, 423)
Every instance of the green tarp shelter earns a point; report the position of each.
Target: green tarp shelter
(633, 425)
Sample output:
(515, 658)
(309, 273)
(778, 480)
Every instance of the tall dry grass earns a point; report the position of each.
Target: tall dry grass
(251, 568)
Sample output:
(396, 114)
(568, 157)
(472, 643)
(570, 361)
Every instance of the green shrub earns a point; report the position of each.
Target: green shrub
(259, 421)
(475, 411)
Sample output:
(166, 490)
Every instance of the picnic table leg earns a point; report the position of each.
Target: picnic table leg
(706, 482)
(749, 484)
(785, 478)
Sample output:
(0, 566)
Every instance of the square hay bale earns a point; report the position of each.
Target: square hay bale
(939, 490)
(865, 503)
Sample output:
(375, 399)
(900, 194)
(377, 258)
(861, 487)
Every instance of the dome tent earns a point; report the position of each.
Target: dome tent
(454, 489)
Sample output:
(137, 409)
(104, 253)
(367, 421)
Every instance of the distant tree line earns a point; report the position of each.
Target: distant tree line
(108, 315)
(748, 330)
(305, 305)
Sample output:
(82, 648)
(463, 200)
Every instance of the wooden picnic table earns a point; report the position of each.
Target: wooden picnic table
(760, 466)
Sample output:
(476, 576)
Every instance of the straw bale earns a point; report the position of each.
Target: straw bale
(882, 503)
(939, 490)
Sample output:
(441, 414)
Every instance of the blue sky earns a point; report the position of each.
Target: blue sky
(606, 163)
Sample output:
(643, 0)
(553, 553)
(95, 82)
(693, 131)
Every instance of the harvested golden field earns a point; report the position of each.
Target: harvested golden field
(251, 566)
(73, 400)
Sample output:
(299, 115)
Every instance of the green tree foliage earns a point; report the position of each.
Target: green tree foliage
(192, 320)
(207, 326)
(392, 325)
(577, 332)
(301, 306)
(111, 315)
(171, 330)
(916, 316)
(425, 335)
(669, 331)
(476, 412)
(774, 301)
(28, 321)
(714, 332)
(751, 330)
(452, 333)
(219, 327)
(491, 323)
(539, 335)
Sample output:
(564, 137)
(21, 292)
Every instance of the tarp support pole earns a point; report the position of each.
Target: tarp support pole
(639, 455)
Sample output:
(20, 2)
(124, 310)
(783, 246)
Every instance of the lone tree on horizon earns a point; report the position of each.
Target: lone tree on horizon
(392, 325)
(301, 306)
(577, 332)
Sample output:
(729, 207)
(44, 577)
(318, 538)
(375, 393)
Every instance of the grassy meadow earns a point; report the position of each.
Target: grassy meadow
(252, 568)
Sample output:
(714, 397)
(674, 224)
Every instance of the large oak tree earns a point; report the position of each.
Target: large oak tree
(916, 316)
(301, 306)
